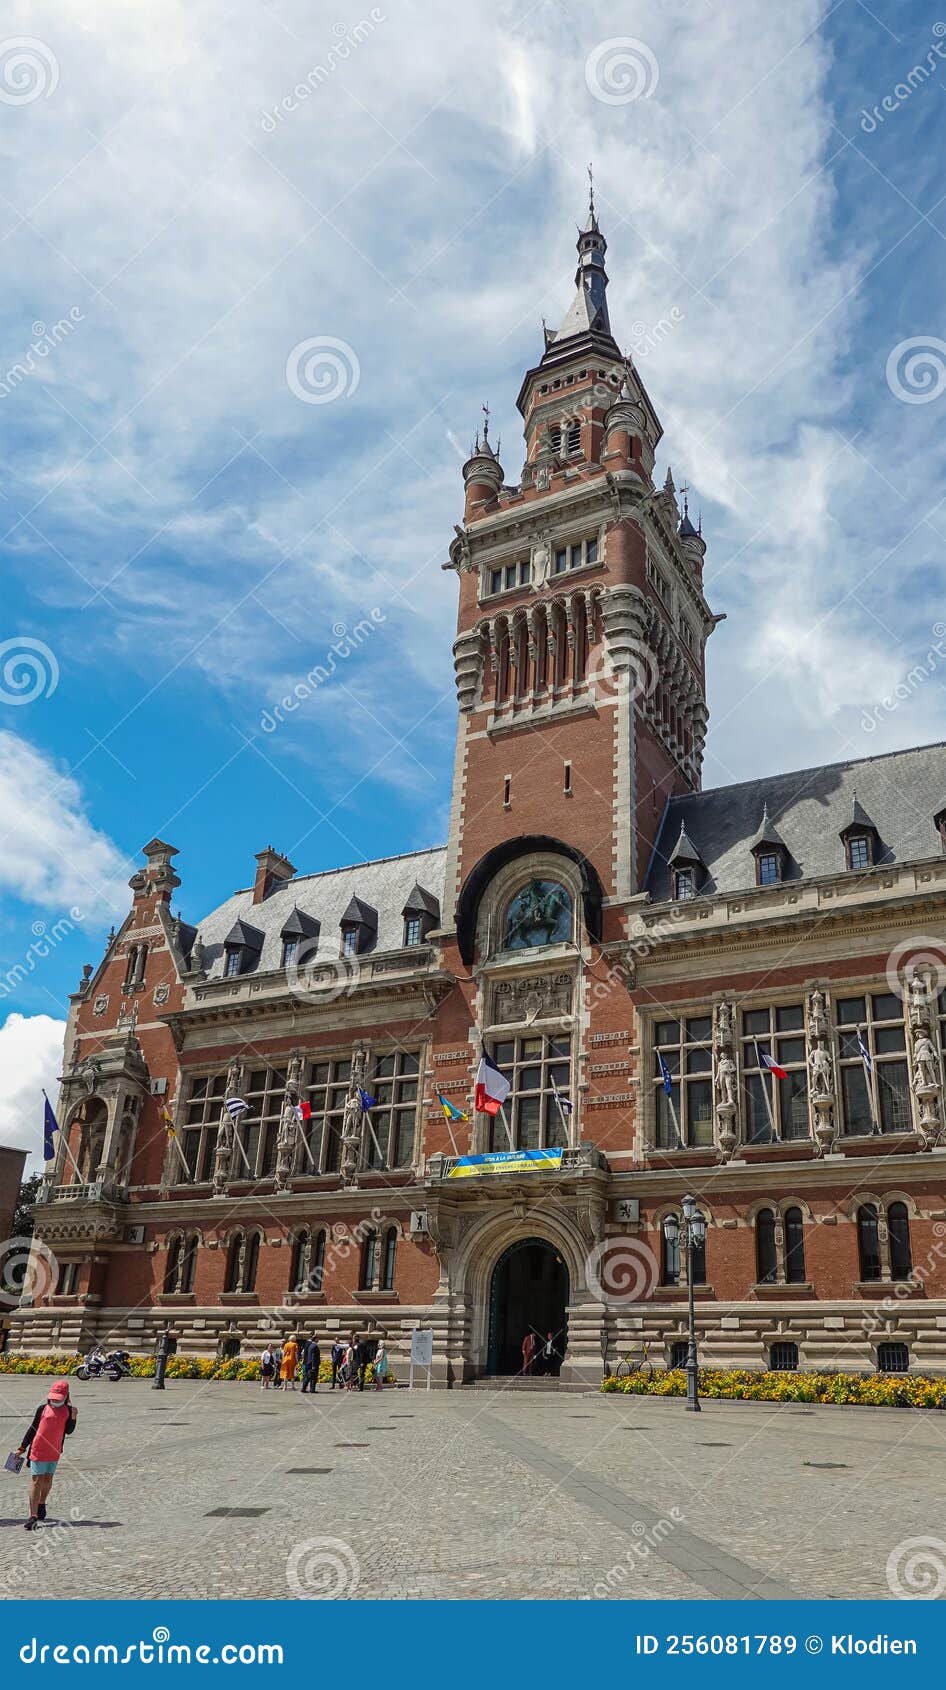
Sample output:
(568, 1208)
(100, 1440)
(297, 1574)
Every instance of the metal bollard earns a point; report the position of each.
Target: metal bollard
(164, 1348)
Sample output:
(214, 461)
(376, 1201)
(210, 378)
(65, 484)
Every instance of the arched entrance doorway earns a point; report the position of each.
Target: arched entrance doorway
(528, 1292)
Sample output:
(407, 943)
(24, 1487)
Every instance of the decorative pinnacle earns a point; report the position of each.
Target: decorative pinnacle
(591, 193)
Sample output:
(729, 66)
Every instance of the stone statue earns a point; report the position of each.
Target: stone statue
(724, 1024)
(817, 1016)
(197, 956)
(223, 1155)
(726, 1082)
(919, 1001)
(541, 564)
(353, 1118)
(925, 1065)
(822, 1083)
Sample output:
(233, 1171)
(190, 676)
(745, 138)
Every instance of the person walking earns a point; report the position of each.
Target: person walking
(267, 1368)
(380, 1363)
(351, 1366)
(364, 1355)
(311, 1362)
(338, 1357)
(290, 1360)
(528, 1351)
(50, 1426)
(550, 1356)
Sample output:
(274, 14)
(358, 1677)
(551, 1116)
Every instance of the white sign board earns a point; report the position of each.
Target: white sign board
(628, 1209)
(422, 1352)
(422, 1346)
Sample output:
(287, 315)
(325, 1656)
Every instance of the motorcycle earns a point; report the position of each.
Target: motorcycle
(115, 1365)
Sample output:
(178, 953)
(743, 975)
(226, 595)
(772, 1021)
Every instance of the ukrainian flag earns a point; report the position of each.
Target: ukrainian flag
(449, 1112)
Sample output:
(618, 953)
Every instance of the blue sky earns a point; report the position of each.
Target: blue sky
(186, 535)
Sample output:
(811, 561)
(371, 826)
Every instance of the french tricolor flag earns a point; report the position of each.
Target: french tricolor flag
(769, 1062)
(492, 1087)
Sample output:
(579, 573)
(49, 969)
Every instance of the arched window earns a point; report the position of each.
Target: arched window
(388, 1257)
(794, 1247)
(539, 914)
(297, 1264)
(317, 1262)
(669, 1259)
(868, 1242)
(234, 1260)
(252, 1262)
(898, 1227)
(189, 1263)
(369, 1262)
(765, 1255)
(173, 1266)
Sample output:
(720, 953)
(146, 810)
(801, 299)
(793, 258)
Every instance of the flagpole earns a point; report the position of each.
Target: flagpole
(366, 1117)
(765, 1091)
(673, 1117)
(237, 1142)
(565, 1126)
(453, 1141)
(300, 1134)
(868, 1078)
(502, 1111)
(64, 1141)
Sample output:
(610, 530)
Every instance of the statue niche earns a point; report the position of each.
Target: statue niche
(539, 914)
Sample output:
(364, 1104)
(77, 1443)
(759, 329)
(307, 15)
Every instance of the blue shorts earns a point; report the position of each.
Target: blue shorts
(39, 1468)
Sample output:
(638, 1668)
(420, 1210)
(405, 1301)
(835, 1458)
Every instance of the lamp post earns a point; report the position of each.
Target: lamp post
(164, 1349)
(692, 1235)
(604, 1350)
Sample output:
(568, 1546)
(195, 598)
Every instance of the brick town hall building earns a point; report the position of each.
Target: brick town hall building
(593, 912)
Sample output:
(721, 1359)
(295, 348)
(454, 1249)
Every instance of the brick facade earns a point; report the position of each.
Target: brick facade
(579, 656)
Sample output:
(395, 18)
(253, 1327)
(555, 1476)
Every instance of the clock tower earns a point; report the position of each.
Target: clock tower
(582, 620)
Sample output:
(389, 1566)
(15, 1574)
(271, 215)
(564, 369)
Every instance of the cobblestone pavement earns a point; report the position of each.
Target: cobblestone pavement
(469, 1494)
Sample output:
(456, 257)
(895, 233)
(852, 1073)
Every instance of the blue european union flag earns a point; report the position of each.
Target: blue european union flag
(665, 1075)
(366, 1101)
(50, 1126)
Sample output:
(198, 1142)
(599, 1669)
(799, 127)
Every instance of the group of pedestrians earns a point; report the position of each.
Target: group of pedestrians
(540, 1358)
(350, 1359)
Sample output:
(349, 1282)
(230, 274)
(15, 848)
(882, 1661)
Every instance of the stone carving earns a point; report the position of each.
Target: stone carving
(161, 995)
(197, 957)
(223, 1155)
(525, 1001)
(820, 1070)
(817, 1018)
(541, 564)
(288, 1139)
(353, 1119)
(925, 1072)
(725, 1079)
(101, 1004)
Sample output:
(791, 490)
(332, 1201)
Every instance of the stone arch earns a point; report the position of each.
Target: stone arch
(479, 1252)
(490, 865)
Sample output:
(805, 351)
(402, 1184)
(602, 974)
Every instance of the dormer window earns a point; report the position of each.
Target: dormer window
(939, 822)
(242, 949)
(421, 914)
(300, 937)
(686, 867)
(768, 868)
(359, 927)
(859, 850)
(860, 838)
(770, 852)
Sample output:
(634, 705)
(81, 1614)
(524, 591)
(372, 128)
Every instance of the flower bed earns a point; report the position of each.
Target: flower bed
(178, 1367)
(875, 1390)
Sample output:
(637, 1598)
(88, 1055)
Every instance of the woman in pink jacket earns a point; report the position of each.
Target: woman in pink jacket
(52, 1423)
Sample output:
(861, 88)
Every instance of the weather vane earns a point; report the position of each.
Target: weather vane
(591, 191)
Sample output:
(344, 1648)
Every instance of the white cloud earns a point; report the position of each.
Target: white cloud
(30, 1061)
(50, 854)
(419, 202)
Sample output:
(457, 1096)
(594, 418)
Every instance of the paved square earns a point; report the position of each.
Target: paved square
(221, 1490)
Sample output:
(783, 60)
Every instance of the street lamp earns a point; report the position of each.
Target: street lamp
(692, 1235)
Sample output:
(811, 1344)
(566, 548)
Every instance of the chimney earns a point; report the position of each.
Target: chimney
(272, 870)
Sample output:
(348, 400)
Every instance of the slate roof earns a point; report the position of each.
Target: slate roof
(900, 792)
(384, 885)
